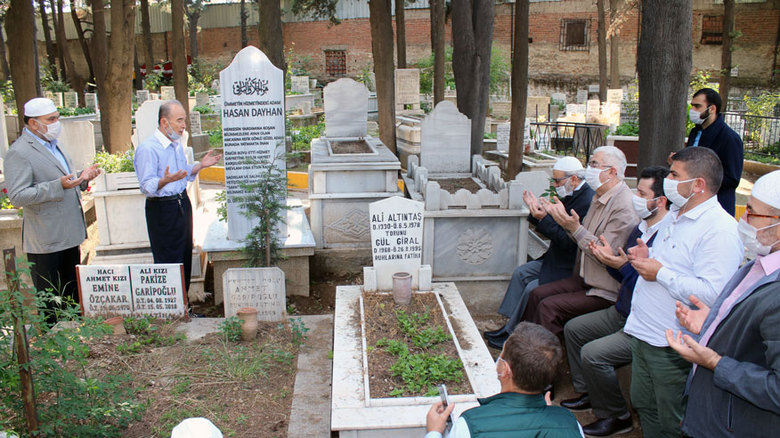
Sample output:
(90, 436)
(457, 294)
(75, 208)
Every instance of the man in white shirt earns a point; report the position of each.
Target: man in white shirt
(697, 253)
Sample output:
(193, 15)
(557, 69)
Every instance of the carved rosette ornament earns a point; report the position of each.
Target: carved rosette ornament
(354, 224)
(475, 246)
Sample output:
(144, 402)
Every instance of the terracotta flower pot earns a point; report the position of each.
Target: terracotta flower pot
(248, 317)
(402, 288)
(117, 324)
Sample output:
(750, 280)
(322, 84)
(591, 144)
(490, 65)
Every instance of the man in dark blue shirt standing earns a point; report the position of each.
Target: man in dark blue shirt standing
(711, 131)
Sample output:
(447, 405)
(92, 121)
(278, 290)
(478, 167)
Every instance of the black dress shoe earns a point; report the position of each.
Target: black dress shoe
(497, 343)
(581, 403)
(608, 426)
(495, 334)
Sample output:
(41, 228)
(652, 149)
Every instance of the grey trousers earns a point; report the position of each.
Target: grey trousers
(524, 279)
(596, 346)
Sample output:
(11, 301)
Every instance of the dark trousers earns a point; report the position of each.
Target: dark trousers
(169, 224)
(553, 304)
(56, 271)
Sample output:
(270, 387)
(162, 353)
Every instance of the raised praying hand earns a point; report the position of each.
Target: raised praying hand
(605, 255)
(692, 319)
(569, 222)
(692, 351)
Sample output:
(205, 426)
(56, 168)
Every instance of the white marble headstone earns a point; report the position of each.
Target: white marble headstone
(252, 91)
(615, 95)
(558, 97)
(582, 96)
(167, 92)
(71, 99)
(592, 109)
(445, 145)
(78, 140)
(195, 126)
(3, 130)
(142, 96)
(502, 137)
(201, 98)
(54, 97)
(396, 238)
(146, 119)
(407, 86)
(260, 288)
(346, 108)
(90, 101)
(299, 84)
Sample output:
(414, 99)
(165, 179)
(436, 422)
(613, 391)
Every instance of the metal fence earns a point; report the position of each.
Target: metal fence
(569, 137)
(760, 134)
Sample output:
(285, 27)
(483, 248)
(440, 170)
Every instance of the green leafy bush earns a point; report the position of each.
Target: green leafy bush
(113, 163)
(230, 328)
(69, 112)
(203, 109)
(302, 137)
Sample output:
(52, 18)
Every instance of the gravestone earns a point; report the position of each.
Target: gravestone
(201, 98)
(299, 84)
(558, 97)
(445, 144)
(592, 110)
(346, 108)
(407, 88)
(71, 99)
(55, 97)
(582, 96)
(615, 95)
(252, 91)
(527, 131)
(142, 96)
(593, 88)
(502, 137)
(90, 101)
(146, 119)
(501, 109)
(260, 288)
(156, 290)
(396, 238)
(167, 93)
(195, 127)
(3, 130)
(78, 140)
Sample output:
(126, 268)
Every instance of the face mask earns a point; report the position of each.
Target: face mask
(749, 236)
(698, 118)
(640, 207)
(173, 135)
(670, 190)
(592, 177)
(564, 190)
(52, 131)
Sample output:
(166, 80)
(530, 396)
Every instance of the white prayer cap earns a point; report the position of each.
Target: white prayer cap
(196, 428)
(39, 106)
(568, 164)
(767, 189)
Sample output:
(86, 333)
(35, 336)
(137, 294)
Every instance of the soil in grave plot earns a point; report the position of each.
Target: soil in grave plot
(244, 388)
(384, 333)
(350, 147)
(452, 185)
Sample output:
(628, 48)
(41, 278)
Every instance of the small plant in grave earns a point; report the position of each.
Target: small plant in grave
(551, 193)
(115, 163)
(230, 328)
(146, 334)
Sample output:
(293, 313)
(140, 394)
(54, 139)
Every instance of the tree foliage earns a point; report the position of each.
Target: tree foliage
(317, 9)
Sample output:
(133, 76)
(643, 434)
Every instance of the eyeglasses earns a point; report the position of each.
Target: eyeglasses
(597, 165)
(560, 179)
(766, 216)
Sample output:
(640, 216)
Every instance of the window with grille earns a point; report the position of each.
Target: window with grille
(712, 29)
(574, 35)
(336, 62)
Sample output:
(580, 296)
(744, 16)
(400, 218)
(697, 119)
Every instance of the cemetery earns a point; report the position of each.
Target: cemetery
(351, 243)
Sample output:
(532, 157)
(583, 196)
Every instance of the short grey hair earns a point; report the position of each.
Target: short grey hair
(614, 157)
(578, 173)
(166, 108)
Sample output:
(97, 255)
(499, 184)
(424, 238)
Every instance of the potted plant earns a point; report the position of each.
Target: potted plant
(118, 171)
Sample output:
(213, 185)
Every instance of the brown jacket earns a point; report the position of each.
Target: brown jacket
(611, 215)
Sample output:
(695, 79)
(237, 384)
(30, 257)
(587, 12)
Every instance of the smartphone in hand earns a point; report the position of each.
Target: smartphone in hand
(445, 399)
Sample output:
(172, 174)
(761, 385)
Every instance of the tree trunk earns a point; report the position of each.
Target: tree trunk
(244, 15)
(381, 21)
(519, 89)
(614, 47)
(179, 49)
(270, 32)
(20, 28)
(55, 22)
(193, 19)
(400, 33)
(725, 55)
(75, 79)
(146, 30)
(6, 70)
(137, 81)
(82, 39)
(664, 68)
(472, 37)
(438, 49)
(116, 96)
(602, 44)
(99, 43)
(50, 54)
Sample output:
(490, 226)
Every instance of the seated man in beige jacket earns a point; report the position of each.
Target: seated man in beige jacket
(611, 215)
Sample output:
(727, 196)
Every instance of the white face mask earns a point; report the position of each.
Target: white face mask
(592, 177)
(640, 207)
(564, 190)
(696, 117)
(749, 236)
(670, 190)
(52, 131)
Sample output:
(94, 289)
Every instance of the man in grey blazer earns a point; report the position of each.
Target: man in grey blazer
(39, 176)
(734, 386)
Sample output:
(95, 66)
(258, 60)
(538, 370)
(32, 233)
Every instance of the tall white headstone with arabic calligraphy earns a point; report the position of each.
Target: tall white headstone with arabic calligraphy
(252, 91)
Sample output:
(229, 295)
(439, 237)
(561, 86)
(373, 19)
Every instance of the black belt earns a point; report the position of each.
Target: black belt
(181, 195)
